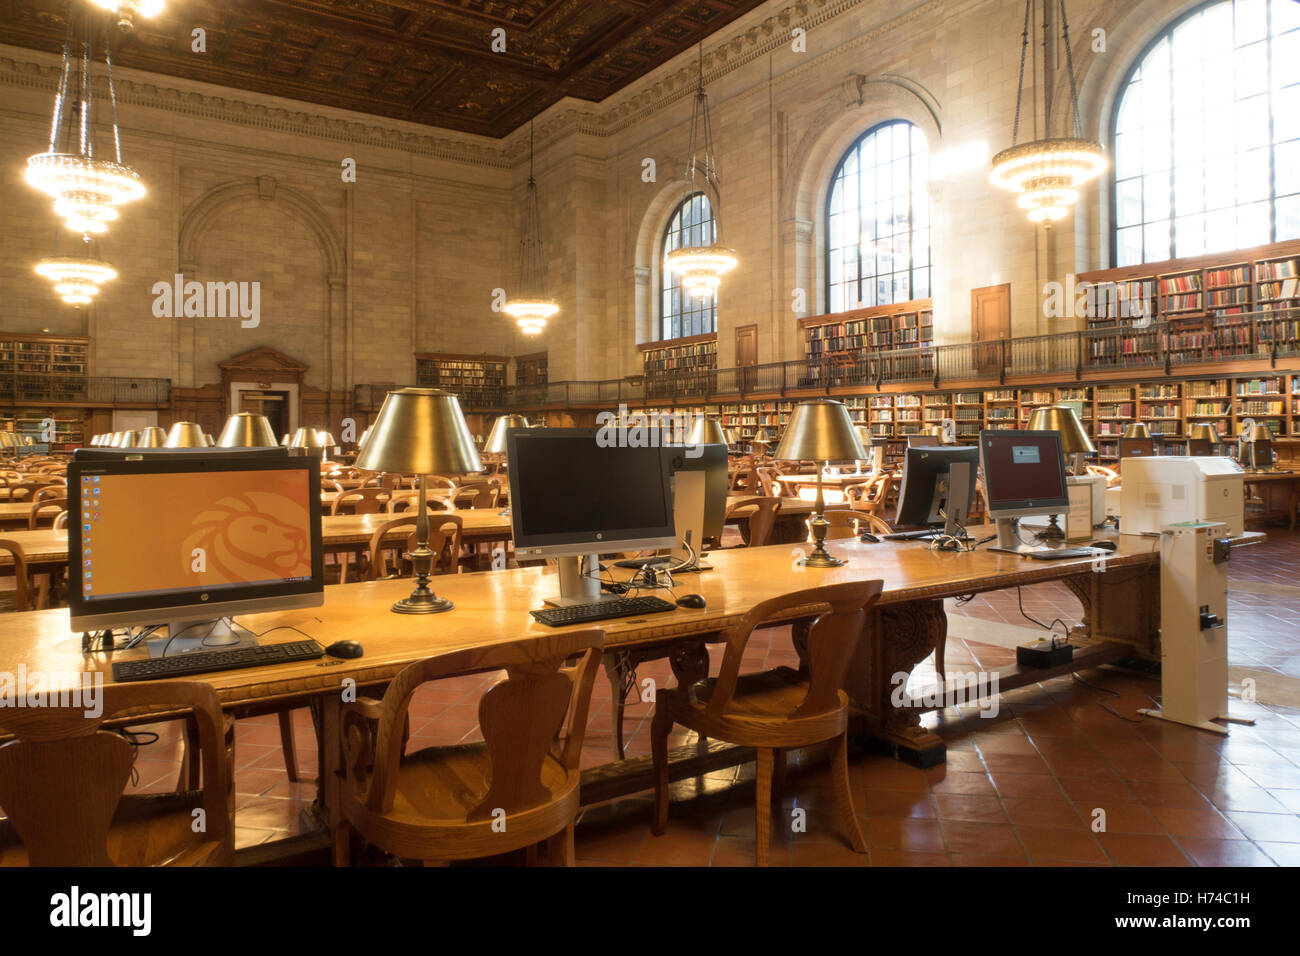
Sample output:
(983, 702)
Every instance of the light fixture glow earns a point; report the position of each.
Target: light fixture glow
(530, 314)
(701, 267)
(76, 279)
(127, 10)
(531, 308)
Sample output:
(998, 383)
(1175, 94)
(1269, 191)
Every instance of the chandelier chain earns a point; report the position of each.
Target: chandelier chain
(1069, 68)
(112, 93)
(1020, 87)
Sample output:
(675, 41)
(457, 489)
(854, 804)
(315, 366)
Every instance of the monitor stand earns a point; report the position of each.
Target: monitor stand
(1009, 540)
(578, 585)
(198, 636)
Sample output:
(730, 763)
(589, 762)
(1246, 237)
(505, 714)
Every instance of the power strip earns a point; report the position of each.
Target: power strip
(1044, 653)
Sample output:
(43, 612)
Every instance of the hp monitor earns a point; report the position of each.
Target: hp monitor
(575, 494)
(1024, 475)
(190, 539)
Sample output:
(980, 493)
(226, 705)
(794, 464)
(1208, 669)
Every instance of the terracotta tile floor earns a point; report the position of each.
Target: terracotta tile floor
(1066, 773)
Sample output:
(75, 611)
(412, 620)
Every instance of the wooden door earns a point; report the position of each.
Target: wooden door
(747, 356)
(990, 322)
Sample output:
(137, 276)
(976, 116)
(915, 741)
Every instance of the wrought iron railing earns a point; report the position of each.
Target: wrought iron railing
(26, 388)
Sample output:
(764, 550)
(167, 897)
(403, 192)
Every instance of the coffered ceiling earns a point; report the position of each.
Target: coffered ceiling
(425, 61)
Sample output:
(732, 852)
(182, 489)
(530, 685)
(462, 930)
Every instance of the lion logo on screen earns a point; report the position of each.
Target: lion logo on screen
(252, 536)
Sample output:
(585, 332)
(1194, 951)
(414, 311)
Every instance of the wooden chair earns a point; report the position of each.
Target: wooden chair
(775, 710)
(43, 510)
(409, 501)
(1110, 474)
(331, 485)
(761, 513)
(767, 476)
(360, 501)
(870, 496)
(17, 599)
(445, 545)
(61, 520)
(51, 491)
(843, 523)
(516, 789)
(873, 523)
(61, 782)
(439, 484)
(476, 493)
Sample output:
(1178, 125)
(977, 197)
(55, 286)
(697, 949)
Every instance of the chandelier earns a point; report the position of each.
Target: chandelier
(76, 278)
(86, 190)
(1048, 173)
(531, 308)
(701, 267)
(127, 10)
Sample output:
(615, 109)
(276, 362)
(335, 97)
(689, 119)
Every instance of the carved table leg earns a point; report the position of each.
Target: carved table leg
(896, 638)
(1121, 605)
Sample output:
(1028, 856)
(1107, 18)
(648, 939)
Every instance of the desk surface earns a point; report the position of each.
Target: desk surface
(492, 607)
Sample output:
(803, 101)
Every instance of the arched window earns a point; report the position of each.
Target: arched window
(878, 220)
(681, 314)
(1206, 137)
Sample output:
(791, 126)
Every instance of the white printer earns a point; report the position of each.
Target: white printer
(1169, 489)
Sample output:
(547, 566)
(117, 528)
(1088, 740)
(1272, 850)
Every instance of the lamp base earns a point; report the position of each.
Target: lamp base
(422, 604)
(823, 559)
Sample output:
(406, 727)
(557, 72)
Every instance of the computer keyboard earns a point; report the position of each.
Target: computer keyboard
(205, 662)
(1060, 554)
(601, 611)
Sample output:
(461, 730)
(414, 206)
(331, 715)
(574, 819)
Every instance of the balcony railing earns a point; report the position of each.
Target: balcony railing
(26, 388)
(1163, 348)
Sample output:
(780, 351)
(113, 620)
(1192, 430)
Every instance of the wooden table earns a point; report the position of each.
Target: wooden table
(14, 514)
(1278, 490)
(805, 486)
(47, 549)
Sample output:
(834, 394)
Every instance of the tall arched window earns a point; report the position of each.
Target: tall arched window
(1206, 136)
(681, 314)
(878, 220)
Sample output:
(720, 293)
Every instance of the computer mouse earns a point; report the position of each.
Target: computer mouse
(868, 536)
(345, 649)
(692, 600)
(1104, 545)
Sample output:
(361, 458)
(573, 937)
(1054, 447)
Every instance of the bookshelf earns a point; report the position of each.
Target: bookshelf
(689, 364)
(474, 378)
(833, 343)
(58, 364)
(1206, 302)
(531, 369)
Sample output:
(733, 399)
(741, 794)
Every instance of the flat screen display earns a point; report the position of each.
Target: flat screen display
(568, 485)
(1023, 466)
(152, 535)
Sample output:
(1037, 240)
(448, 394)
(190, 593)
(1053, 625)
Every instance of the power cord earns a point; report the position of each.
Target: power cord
(1050, 628)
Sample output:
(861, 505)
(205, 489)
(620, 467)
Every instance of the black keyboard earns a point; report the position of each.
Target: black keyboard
(1060, 554)
(205, 662)
(585, 613)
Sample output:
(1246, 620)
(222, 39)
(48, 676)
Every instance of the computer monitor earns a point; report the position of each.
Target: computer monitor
(1024, 475)
(187, 537)
(575, 495)
(1136, 447)
(923, 441)
(699, 490)
(938, 486)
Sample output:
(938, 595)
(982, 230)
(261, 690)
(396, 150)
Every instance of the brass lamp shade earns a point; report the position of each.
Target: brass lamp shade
(820, 430)
(1061, 418)
(706, 431)
(420, 431)
(864, 436)
(1204, 431)
(364, 435)
(246, 430)
(1137, 430)
(185, 435)
(212, 442)
(151, 437)
(930, 428)
(306, 441)
(126, 441)
(496, 440)
(730, 435)
(7, 440)
(326, 439)
(1255, 432)
(760, 438)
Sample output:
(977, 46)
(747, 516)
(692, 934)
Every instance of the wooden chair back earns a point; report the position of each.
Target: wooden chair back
(409, 501)
(444, 541)
(521, 718)
(360, 501)
(1110, 474)
(870, 495)
(476, 493)
(24, 490)
(62, 776)
(843, 523)
(22, 601)
(831, 640)
(330, 484)
(761, 512)
(49, 509)
(51, 491)
(60, 520)
(767, 482)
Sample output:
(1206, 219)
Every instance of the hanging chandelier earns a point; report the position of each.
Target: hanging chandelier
(531, 308)
(76, 278)
(86, 190)
(1048, 173)
(701, 267)
(127, 10)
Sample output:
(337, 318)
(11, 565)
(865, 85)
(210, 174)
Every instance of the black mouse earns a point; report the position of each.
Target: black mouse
(868, 536)
(692, 600)
(345, 649)
(1104, 545)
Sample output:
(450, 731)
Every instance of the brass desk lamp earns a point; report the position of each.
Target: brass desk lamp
(420, 431)
(1075, 444)
(820, 429)
(246, 430)
(185, 435)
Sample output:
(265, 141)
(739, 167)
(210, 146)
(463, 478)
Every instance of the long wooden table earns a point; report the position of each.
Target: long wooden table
(47, 549)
